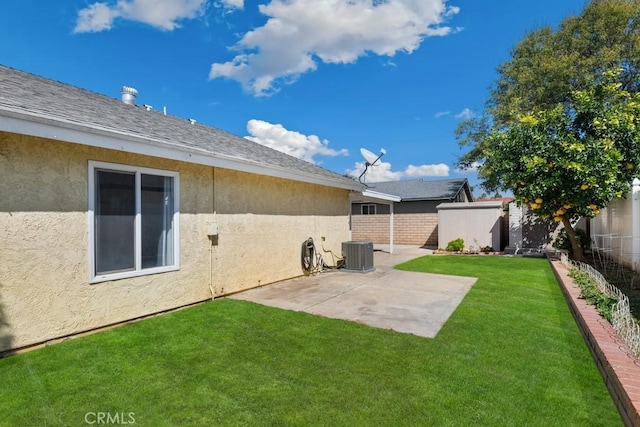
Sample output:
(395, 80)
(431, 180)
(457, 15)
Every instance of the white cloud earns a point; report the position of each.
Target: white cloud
(95, 18)
(442, 113)
(471, 169)
(238, 4)
(301, 33)
(382, 171)
(465, 114)
(162, 14)
(439, 169)
(290, 142)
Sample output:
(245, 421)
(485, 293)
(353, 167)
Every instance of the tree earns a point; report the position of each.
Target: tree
(547, 65)
(561, 127)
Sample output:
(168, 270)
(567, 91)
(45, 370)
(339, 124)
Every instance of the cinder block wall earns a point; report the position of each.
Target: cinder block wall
(408, 229)
(373, 228)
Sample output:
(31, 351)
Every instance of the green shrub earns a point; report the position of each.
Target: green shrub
(455, 245)
(589, 292)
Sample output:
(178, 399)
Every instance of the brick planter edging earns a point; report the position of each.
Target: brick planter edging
(619, 369)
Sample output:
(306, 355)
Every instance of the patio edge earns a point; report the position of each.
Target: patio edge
(620, 371)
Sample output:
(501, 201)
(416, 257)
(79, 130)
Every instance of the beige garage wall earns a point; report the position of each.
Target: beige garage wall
(44, 278)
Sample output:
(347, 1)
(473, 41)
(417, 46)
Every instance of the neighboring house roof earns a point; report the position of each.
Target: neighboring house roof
(418, 189)
(32, 105)
(504, 200)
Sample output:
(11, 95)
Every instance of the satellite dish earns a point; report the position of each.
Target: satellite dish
(370, 159)
(368, 156)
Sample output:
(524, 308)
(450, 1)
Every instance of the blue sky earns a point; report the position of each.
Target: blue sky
(318, 79)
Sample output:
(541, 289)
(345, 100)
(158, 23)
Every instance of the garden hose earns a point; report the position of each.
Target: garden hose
(311, 259)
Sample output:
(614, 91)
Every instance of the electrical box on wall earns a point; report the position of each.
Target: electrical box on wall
(212, 229)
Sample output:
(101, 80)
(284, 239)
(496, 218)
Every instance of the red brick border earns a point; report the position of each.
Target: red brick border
(619, 369)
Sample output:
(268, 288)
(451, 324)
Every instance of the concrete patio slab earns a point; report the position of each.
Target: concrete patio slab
(408, 302)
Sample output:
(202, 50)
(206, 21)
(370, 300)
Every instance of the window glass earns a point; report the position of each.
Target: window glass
(115, 210)
(157, 220)
(368, 209)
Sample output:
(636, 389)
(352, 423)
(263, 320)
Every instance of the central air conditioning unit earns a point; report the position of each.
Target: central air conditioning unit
(358, 256)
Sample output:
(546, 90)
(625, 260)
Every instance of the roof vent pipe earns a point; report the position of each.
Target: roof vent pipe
(129, 95)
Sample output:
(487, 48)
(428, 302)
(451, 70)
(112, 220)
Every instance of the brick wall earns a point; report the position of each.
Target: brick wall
(620, 370)
(408, 229)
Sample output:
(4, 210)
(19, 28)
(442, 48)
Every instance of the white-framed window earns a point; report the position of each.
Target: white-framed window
(134, 217)
(368, 209)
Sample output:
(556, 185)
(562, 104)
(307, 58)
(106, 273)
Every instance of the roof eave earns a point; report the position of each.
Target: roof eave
(426, 199)
(68, 131)
(380, 196)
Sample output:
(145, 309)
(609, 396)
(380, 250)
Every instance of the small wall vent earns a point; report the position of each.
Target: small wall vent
(358, 256)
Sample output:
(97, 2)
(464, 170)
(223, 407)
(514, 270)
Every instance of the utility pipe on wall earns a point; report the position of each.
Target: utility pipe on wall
(391, 227)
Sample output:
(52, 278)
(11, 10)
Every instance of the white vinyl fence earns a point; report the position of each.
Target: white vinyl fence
(615, 232)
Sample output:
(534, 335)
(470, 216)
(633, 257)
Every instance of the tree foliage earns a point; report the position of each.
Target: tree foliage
(572, 159)
(547, 65)
(562, 125)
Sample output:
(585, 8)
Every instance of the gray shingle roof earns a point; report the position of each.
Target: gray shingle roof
(29, 97)
(418, 189)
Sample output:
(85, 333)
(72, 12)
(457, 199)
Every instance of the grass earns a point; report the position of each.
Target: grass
(510, 354)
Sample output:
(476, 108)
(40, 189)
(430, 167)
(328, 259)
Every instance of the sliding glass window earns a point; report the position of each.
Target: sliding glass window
(133, 221)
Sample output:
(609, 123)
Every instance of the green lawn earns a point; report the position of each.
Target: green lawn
(511, 355)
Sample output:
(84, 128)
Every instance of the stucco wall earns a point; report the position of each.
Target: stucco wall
(44, 278)
(263, 222)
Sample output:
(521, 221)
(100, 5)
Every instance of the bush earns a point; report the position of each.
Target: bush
(589, 292)
(455, 245)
